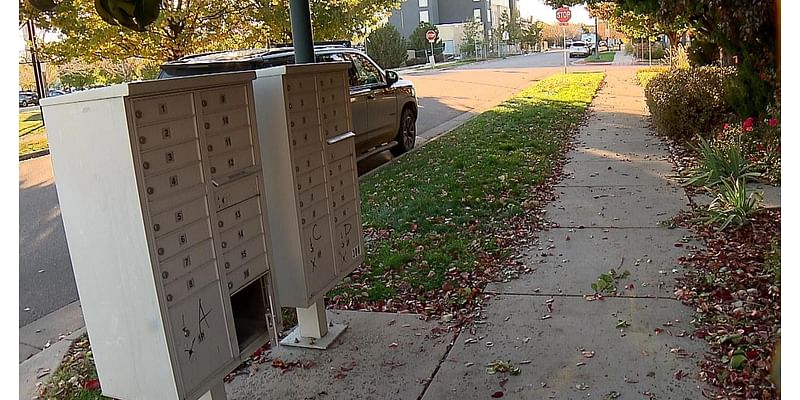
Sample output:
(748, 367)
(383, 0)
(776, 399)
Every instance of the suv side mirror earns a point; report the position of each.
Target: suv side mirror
(391, 78)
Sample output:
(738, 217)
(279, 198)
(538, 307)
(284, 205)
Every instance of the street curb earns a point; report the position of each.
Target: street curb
(34, 154)
(40, 367)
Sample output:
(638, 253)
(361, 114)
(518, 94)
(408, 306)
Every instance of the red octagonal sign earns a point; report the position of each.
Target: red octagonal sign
(563, 14)
(431, 35)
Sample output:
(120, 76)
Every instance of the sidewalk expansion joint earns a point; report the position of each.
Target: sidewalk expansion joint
(439, 365)
(579, 296)
(610, 186)
(30, 345)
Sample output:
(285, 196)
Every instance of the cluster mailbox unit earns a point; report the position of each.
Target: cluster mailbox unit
(308, 148)
(194, 208)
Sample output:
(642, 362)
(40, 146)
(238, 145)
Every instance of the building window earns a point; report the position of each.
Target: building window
(423, 16)
(476, 13)
(423, 3)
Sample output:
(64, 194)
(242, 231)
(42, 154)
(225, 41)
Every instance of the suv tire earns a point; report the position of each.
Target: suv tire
(24, 103)
(407, 134)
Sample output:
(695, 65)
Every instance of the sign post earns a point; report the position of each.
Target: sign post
(431, 36)
(563, 15)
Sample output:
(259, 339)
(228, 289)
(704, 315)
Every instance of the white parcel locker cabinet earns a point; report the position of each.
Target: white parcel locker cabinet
(163, 205)
(308, 154)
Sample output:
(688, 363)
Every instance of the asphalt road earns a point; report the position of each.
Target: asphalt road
(446, 98)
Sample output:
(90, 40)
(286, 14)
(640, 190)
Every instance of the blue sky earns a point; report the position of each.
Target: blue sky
(542, 12)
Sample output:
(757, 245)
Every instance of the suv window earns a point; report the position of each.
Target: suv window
(339, 57)
(366, 72)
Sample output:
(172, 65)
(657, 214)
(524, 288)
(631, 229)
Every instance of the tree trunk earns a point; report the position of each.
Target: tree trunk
(673, 37)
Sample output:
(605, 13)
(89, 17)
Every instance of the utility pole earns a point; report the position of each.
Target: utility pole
(302, 37)
(596, 38)
(38, 76)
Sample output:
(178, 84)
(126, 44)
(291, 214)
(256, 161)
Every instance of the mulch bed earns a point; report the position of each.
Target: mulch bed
(736, 298)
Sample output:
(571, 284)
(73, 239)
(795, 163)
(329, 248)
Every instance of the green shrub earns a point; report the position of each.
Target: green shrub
(677, 58)
(642, 52)
(686, 103)
(732, 204)
(387, 47)
(718, 163)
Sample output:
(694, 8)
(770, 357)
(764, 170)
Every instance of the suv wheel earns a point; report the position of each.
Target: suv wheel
(24, 103)
(407, 134)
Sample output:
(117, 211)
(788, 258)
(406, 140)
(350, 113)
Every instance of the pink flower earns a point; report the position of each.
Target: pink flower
(773, 122)
(726, 126)
(747, 125)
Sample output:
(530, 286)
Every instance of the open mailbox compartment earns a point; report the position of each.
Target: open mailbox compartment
(251, 314)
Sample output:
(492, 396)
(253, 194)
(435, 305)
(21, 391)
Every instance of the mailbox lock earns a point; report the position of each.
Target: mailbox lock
(150, 190)
(138, 114)
(146, 165)
(227, 265)
(169, 297)
(165, 274)
(220, 223)
(161, 251)
(204, 103)
(230, 285)
(210, 148)
(224, 245)
(142, 140)
(213, 170)
(207, 125)
(156, 227)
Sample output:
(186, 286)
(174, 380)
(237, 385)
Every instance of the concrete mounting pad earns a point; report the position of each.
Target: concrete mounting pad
(571, 266)
(635, 364)
(616, 206)
(615, 173)
(379, 356)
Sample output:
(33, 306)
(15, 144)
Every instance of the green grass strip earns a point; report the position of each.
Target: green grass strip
(606, 56)
(435, 203)
(644, 75)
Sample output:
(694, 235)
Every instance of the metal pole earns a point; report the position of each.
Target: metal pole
(433, 57)
(596, 38)
(564, 29)
(649, 53)
(38, 77)
(302, 38)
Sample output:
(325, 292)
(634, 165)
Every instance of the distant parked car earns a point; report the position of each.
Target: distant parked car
(579, 49)
(28, 99)
(55, 92)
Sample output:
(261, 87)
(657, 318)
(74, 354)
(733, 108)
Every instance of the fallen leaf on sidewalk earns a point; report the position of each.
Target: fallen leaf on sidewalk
(496, 395)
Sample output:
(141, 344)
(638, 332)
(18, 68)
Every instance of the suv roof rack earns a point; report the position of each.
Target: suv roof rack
(328, 43)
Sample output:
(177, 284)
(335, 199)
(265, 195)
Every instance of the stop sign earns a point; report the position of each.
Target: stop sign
(431, 36)
(563, 14)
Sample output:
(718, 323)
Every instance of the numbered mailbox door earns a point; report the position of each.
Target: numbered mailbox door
(200, 335)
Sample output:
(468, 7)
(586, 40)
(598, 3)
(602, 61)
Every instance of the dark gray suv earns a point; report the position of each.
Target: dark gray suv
(384, 106)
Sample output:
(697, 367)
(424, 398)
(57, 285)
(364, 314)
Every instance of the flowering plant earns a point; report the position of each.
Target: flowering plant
(759, 141)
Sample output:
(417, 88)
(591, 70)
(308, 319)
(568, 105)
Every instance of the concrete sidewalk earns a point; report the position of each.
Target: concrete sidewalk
(567, 347)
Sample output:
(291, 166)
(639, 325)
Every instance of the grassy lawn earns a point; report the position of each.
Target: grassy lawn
(430, 216)
(606, 56)
(644, 75)
(32, 135)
